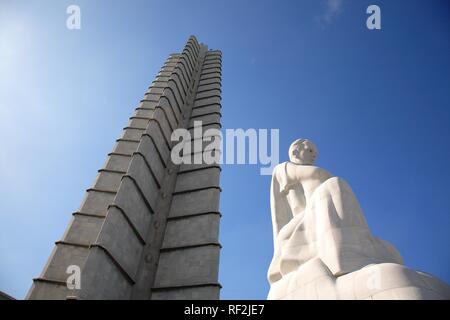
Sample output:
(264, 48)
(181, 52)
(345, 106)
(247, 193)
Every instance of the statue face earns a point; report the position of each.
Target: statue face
(303, 152)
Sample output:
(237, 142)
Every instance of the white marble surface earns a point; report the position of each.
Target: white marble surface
(323, 248)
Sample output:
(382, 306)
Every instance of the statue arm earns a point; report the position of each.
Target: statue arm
(281, 211)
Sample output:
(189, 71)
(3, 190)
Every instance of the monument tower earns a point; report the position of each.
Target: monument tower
(147, 228)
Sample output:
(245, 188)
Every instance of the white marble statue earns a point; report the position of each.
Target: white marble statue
(323, 248)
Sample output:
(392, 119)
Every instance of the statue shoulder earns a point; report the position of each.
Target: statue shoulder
(279, 169)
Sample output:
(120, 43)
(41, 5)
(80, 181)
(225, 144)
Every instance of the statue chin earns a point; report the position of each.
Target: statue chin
(329, 252)
(301, 161)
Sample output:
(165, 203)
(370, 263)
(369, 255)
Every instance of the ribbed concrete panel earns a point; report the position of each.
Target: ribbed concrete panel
(206, 110)
(199, 179)
(143, 214)
(83, 229)
(197, 230)
(191, 203)
(195, 266)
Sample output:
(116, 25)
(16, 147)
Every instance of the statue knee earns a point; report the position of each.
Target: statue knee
(336, 183)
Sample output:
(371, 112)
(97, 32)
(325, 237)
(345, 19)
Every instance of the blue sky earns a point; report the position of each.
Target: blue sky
(376, 103)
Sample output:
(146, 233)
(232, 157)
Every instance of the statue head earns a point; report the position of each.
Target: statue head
(303, 151)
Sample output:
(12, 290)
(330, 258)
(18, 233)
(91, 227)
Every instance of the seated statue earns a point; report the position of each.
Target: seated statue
(323, 248)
